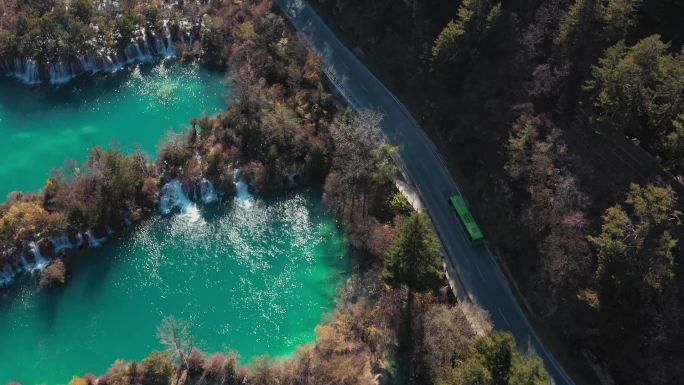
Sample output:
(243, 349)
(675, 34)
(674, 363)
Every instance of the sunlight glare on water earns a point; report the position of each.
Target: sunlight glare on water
(256, 278)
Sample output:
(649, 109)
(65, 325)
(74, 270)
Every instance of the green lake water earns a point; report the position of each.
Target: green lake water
(41, 127)
(256, 278)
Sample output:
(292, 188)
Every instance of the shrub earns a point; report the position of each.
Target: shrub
(53, 275)
(75, 380)
(159, 368)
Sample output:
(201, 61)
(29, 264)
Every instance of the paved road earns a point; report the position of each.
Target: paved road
(481, 278)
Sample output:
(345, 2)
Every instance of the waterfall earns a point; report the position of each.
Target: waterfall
(93, 241)
(291, 182)
(60, 72)
(6, 275)
(79, 239)
(24, 264)
(40, 261)
(88, 63)
(98, 63)
(133, 53)
(241, 190)
(173, 197)
(61, 242)
(141, 49)
(207, 192)
(169, 48)
(24, 70)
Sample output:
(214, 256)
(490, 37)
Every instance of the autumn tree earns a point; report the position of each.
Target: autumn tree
(175, 335)
(445, 337)
(158, 368)
(363, 166)
(552, 207)
(53, 275)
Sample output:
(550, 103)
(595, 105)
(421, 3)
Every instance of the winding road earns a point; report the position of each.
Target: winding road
(481, 278)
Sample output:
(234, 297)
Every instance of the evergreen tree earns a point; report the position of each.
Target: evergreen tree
(461, 43)
(414, 259)
(497, 351)
(635, 252)
(638, 90)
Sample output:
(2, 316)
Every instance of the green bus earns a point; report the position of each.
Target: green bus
(473, 230)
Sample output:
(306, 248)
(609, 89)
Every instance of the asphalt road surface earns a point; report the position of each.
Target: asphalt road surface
(480, 276)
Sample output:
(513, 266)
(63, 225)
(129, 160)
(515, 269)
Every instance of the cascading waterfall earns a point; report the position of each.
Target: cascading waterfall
(61, 72)
(62, 242)
(24, 70)
(173, 197)
(79, 240)
(242, 194)
(93, 241)
(141, 49)
(207, 192)
(6, 275)
(40, 261)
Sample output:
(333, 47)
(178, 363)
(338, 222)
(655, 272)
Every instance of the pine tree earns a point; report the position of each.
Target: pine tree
(414, 259)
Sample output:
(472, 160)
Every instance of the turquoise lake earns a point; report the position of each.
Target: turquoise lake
(256, 278)
(254, 275)
(133, 108)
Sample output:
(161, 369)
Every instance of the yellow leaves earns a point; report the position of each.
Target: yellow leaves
(75, 380)
(21, 219)
(246, 31)
(50, 182)
(312, 69)
(590, 296)
(282, 44)
(25, 218)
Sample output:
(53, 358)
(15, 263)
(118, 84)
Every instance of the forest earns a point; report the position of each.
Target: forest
(562, 120)
(395, 319)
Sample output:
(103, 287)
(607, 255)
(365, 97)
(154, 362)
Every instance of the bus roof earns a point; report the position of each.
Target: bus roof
(466, 217)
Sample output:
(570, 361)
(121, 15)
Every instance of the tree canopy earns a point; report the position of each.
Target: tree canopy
(414, 259)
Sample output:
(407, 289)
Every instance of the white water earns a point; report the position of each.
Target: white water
(207, 192)
(61, 72)
(40, 261)
(26, 70)
(93, 241)
(242, 194)
(6, 275)
(79, 239)
(62, 242)
(173, 197)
